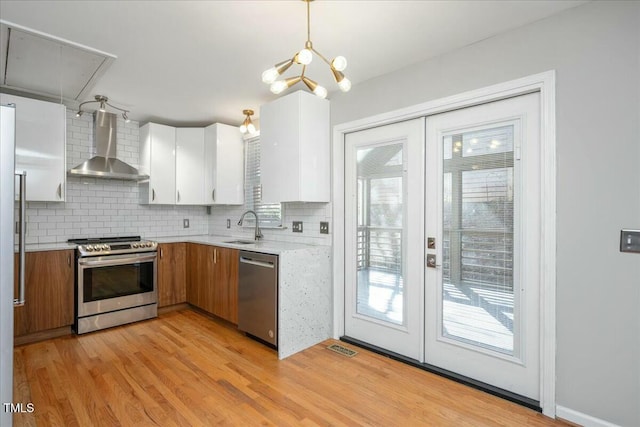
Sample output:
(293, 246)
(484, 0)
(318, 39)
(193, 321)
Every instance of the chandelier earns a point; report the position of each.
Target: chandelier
(247, 125)
(103, 101)
(304, 58)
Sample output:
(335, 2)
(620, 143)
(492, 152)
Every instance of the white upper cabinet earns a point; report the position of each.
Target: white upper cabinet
(224, 165)
(294, 149)
(190, 172)
(158, 160)
(41, 135)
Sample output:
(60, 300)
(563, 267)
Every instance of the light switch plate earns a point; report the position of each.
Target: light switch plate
(630, 241)
(185, 223)
(324, 227)
(297, 226)
(228, 223)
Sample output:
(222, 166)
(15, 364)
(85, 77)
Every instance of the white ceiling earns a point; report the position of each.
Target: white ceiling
(199, 62)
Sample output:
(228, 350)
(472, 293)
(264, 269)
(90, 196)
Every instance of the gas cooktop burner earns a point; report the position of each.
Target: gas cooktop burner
(113, 245)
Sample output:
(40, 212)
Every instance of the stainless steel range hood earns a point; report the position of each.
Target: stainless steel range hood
(105, 164)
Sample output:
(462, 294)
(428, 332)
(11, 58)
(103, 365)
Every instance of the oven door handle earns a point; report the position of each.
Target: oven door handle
(105, 261)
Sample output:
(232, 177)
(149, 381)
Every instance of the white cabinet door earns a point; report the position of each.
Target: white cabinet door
(224, 165)
(294, 149)
(158, 160)
(40, 146)
(190, 166)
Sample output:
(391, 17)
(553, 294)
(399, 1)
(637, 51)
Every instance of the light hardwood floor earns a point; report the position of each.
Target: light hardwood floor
(186, 369)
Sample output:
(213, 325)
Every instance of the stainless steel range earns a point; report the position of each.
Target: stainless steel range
(115, 282)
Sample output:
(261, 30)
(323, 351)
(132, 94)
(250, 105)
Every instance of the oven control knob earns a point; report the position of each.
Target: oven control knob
(149, 244)
(135, 245)
(106, 247)
(89, 248)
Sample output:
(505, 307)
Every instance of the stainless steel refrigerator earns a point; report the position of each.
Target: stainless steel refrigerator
(7, 248)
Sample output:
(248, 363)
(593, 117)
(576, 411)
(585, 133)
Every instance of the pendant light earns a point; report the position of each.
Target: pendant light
(304, 57)
(247, 126)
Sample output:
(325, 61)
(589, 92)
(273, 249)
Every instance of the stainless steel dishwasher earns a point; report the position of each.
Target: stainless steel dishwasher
(258, 296)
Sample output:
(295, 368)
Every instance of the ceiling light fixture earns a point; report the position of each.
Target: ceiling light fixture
(104, 102)
(304, 58)
(247, 125)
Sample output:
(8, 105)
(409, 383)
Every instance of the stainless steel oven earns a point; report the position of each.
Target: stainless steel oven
(115, 283)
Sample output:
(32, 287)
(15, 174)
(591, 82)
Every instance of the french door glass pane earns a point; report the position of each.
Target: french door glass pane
(478, 223)
(380, 211)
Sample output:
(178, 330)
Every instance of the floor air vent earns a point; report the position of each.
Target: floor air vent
(342, 350)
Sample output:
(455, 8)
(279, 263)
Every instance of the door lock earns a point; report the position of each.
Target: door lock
(431, 242)
(431, 261)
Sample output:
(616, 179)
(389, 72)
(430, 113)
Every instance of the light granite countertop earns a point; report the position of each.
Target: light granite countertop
(264, 246)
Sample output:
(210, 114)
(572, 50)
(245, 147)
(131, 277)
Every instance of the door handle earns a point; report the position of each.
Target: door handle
(153, 195)
(22, 213)
(59, 191)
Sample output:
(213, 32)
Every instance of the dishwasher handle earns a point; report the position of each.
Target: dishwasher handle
(265, 264)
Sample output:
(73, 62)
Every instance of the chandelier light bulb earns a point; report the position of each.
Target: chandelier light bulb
(251, 128)
(345, 85)
(270, 75)
(278, 86)
(339, 63)
(304, 57)
(320, 91)
(243, 129)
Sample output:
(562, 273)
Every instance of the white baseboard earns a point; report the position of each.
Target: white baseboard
(580, 418)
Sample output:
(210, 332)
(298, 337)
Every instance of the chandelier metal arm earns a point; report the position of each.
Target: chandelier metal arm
(321, 56)
(117, 108)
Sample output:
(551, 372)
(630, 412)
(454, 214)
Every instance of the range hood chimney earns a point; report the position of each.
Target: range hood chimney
(105, 164)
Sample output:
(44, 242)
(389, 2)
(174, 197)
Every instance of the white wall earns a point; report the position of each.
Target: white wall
(595, 49)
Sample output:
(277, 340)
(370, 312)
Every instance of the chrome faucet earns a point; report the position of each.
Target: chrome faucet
(258, 232)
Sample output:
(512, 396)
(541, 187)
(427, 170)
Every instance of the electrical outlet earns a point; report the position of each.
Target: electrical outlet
(324, 227)
(297, 226)
(185, 223)
(228, 223)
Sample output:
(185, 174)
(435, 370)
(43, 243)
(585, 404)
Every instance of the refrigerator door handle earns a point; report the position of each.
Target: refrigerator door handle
(21, 236)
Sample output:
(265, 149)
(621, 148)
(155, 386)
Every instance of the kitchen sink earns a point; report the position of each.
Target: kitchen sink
(240, 242)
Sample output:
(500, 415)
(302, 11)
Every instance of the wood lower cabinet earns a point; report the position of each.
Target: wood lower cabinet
(49, 285)
(225, 302)
(212, 280)
(172, 274)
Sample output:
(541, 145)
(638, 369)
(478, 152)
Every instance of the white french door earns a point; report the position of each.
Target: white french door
(384, 292)
(442, 241)
(483, 211)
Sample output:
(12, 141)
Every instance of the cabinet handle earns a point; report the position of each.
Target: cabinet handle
(161, 253)
(215, 256)
(178, 197)
(213, 195)
(153, 195)
(59, 191)
(69, 260)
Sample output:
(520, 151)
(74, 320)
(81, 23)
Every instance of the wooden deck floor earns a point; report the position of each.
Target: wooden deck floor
(186, 369)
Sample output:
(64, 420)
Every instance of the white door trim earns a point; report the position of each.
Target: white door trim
(545, 84)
